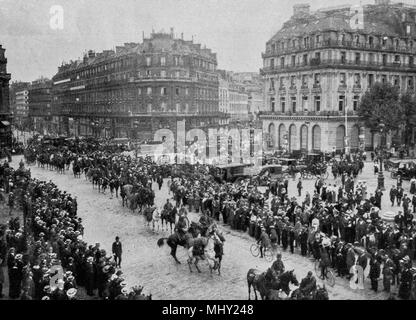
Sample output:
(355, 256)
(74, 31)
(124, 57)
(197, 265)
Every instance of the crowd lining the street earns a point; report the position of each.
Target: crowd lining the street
(339, 224)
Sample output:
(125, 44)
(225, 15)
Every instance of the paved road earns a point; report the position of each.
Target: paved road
(146, 264)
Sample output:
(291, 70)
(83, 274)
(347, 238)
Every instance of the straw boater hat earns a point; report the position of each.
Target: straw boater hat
(71, 293)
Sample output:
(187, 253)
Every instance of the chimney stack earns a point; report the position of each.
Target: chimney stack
(300, 10)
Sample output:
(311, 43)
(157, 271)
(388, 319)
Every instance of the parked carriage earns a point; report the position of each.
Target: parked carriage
(405, 168)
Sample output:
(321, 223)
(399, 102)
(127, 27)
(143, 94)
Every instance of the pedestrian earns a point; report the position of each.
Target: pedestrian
(117, 251)
(299, 187)
(393, 194)
(374, 273)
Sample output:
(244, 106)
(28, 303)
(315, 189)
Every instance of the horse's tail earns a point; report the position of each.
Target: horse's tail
(161, 241)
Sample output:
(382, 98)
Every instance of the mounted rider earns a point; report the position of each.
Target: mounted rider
(182, 225)
(308, 284)
(276, 269)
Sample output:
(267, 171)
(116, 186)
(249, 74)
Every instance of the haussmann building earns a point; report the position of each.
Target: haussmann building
(318, 66)
(137, 89)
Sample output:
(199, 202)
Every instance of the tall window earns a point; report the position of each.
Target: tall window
(272, 104)
(293, 104)
(304, 80)
(342, 79)
(293, 60)
(341, 103)
(384, 59)
(317, 103)
(357, 58)
(283, 104)
(293, 81)
(148, 61)
(411, 61)
(282, 82)
(282, 62)
(163, 61)
(343, 57)
(271, 84)
(370, 79)
(410, 82)
(384, 78)
(149, 90)
(177, 91)
(355, 102)
(305, 103)
(317, 78)
(163, 74)
(357, 79)
(305, 59)
(272, 63)
(163, 91)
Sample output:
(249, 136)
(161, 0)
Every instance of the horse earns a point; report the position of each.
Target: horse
(152, 214)
(259, 282)
(168, 217)
(173, 241)
(212, 253)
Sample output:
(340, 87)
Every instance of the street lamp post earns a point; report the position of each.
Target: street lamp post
(380, 179)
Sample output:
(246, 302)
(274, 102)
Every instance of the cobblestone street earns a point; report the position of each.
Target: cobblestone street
(146, 264)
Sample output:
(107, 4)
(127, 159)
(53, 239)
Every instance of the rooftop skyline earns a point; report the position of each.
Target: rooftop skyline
(236, 30)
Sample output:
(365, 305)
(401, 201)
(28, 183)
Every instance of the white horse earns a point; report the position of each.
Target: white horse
(156, 219)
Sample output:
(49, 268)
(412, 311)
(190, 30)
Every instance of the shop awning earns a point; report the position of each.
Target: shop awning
(5, 123)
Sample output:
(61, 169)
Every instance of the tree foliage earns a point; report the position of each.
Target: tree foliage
(408, 115)
(379, 105)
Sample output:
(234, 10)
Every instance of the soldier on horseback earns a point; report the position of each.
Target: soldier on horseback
(276, 269)
(182, 226)
(308, 284)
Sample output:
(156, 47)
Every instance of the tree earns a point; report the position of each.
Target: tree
(381, 105)
(408, 116)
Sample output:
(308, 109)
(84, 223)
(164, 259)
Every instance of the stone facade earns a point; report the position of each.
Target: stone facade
(138, 89)
(5, 114)
(319, 65)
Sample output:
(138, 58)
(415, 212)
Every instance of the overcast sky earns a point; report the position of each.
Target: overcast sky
(236, 30)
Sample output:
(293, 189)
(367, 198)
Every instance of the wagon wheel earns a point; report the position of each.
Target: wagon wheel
(255, 250)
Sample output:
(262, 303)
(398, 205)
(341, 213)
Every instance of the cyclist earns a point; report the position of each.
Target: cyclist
(264, 241)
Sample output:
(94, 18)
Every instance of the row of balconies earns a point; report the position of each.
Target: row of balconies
(342, 45)
(309, 113)
(325, 63)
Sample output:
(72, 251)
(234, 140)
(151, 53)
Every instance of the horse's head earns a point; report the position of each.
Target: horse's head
(289, 277)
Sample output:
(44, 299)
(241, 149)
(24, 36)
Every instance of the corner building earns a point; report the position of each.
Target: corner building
(319, 65)
(138, 88)
(5, 114)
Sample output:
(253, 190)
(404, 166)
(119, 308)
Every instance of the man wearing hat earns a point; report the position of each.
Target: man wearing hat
(117, 251)
(71, 294)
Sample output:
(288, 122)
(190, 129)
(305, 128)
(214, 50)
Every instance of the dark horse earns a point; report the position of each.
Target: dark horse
(259, 282)
(174, 240)
(168, 218)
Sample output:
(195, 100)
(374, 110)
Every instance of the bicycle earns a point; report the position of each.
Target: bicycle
(268, 253)
(329, 275)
